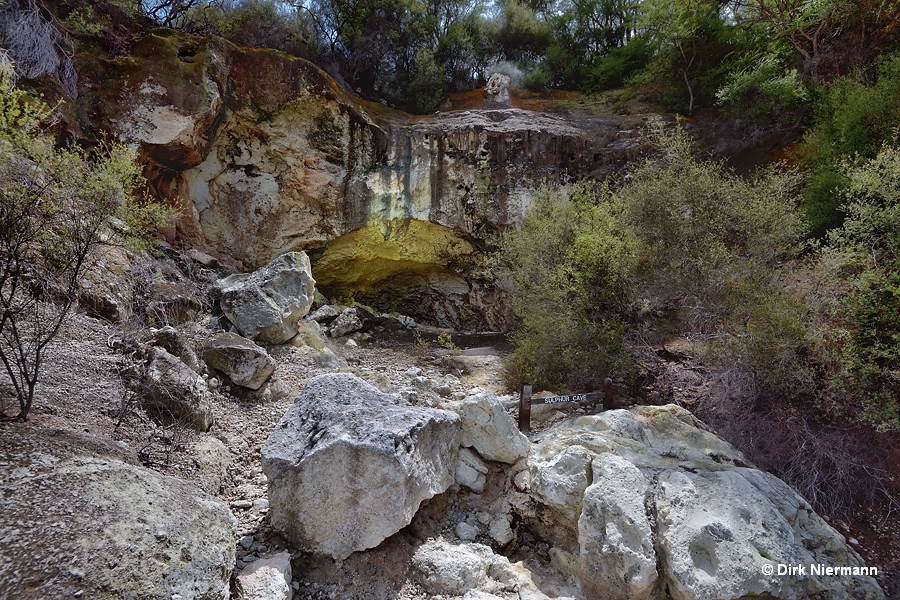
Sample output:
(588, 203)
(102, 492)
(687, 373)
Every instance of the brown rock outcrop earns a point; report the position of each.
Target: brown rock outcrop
(267, 154)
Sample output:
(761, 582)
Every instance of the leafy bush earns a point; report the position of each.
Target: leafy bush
(570, 263)
(764, 89)
(83, 19)
(682, 246)
(868, 244)
(260, 23)
(56, 207)
(854, 117)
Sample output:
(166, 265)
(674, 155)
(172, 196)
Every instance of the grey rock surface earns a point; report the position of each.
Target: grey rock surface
(456, 569)
(212, 458)
(349, 321)
(487, 428)
(348, 465)
(245, 363)
(649, 499)
(266, 579)
(80, 519)
(176, 391)
(267, 304)
(471, 471)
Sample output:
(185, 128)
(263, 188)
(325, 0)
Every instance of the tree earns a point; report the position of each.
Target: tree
(687, 33)
(55, 206)
(832, 36)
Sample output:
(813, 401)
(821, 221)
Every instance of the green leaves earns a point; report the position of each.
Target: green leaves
(681, 246)
(868, 245)
(571, 266)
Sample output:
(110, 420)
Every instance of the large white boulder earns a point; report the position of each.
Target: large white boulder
(616, 556)
(81, 519)
(650, 500)
(266, 305)
(348, 466)
(487, 428)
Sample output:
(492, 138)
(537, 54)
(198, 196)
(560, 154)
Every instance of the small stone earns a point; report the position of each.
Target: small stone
(260, 504)
(443, 390)
(351, 343)
(241, 504)
(500, 531)
(466, 532)
(413, 371)
(246, 542)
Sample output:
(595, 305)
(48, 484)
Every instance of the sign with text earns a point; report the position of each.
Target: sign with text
(592, 397)
(525, 402)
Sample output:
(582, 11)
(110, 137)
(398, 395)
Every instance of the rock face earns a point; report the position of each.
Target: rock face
(176, 391)
(80, 520)
(648, 500)
(270, 155)
(349, 466)
(266, 305)
(245, 363)
(488, 428)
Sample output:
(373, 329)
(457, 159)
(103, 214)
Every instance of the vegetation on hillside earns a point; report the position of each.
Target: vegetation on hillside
(58, 206)
(802, 339)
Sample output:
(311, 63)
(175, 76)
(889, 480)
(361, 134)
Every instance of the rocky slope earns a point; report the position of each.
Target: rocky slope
(424, 485)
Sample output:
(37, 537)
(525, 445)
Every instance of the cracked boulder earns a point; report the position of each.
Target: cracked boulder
(648, 500)
(267, 305)
(348, 465)
(246, 364)
(488, 428)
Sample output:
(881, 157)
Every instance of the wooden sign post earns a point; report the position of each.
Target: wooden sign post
(525, 401)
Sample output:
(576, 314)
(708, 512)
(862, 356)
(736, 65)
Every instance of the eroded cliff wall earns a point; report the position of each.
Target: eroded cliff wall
(265, 153)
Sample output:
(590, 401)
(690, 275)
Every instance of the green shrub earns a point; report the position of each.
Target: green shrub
(57, 207)
(869, 246)
(84, 20)
(854, 117)
(682, 247)
(764, 89)
(707, 235)
(570, 263)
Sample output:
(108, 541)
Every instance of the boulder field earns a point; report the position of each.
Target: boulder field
(643, 503)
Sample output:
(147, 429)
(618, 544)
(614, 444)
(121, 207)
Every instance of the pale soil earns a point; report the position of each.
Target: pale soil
(81, 390)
